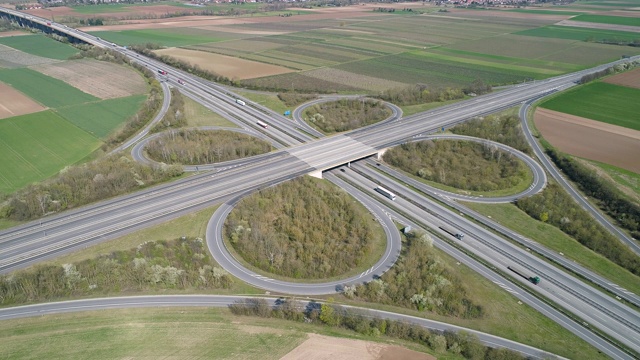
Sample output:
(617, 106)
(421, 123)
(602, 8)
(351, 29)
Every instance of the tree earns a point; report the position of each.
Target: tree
(328, 315)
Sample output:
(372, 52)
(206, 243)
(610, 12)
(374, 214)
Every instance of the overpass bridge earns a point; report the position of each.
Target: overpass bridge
(49, 27)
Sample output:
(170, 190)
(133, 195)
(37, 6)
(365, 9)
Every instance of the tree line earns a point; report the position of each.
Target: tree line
(294, 99)
(84, 184)
(304, 228)
(154, 265)
(327, 314)
(346, 114)
(464, 165)
(175, 116)
(419, 280)
(609, 197)
(555, 206)
(194, 147)
(609, 71)
(421, 93)
(505, 129)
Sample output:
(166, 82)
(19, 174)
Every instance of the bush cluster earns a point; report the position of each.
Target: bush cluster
(503, 129)
(153, 265)
(83, 184)
(304, 228)
(419, 94)
(609, 197)
(461, 164)
(458, 343)
(294, 99)
(555, 206)
(175, 116)
(194, 147)
(419, 280)
(346, 114)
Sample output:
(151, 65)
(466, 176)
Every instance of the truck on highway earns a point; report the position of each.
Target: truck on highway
(162, 72)
(453, 232)
(386, 192)
(262, 123)
(525, 274)
(240, 102)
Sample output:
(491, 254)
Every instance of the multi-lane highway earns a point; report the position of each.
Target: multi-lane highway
(32, 242)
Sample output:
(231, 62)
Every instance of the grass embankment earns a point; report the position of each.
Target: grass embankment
(612, 104)
(305, 229)
(628, 181)
(269, 101)
(553, 238)
(198, 115)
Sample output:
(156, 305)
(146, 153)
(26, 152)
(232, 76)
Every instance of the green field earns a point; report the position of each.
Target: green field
(36, 146)
(169, 38)
(546, 12)
(102, 117)
(40, 45)
(582, 34)
(185, 333)
(44, 89)
(612, 104)
(604, 19)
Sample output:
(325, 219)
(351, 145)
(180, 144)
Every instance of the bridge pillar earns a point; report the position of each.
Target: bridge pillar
(316, 174)
(380, 153)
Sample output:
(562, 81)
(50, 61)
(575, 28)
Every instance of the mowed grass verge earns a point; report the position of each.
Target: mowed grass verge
(102, 117)
(36, 146)
(185, 333)
(553, 238)
(40, 45)
(609, 103)
(44, 89)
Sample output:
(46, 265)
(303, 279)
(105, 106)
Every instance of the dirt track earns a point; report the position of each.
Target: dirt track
(590, 139)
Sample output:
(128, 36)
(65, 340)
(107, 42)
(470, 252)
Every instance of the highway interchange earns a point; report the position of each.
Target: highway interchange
(54, 235)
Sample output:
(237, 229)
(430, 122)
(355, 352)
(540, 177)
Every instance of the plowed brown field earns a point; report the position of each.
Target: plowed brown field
(14, 103)
(629, 78)
(231, 67)
(98, 78)
(319, 347)
(590, 139)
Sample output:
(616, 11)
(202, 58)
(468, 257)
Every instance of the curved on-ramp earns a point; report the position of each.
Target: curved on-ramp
(222, 255)
(538, 183)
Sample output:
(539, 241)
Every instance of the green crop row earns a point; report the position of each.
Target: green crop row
(613, 104)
